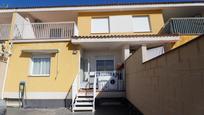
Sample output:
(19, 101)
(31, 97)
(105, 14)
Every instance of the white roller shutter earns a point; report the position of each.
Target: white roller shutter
(141, 24)
(99, 25)
(122, 23)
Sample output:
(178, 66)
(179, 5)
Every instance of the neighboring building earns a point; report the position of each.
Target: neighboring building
(64, 53)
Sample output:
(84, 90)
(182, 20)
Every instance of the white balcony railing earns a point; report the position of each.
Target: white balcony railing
(53, 30)
(5, 31)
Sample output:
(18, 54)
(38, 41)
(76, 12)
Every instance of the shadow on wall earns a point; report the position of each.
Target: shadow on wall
(171, 84)
(113, 105)
(68, 100)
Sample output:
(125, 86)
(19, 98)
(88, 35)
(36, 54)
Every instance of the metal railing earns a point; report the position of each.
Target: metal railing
(5, 31)
(94, 91)
(75, 88)
(105, 77)
(191, 25)
(52, 30)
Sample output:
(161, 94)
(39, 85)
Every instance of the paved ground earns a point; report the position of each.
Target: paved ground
(101, 110)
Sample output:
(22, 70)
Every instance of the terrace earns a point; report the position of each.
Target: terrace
(51, 30)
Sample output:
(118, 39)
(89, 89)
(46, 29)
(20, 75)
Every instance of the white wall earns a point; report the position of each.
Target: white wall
(154, 52)
(24, 28)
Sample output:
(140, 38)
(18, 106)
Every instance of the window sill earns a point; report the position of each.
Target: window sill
(97, 33)
(39, 75)
(142, 31)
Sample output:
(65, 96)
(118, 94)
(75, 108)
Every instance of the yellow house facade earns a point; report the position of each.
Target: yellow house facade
(155, 18)
(64, 65)
(56, 56)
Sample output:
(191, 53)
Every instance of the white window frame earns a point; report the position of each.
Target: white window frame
(94, 32)
(105, 58)
(149, 24)
(31, 65)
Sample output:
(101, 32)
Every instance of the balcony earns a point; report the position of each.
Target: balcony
(52, 30)
(194, 25)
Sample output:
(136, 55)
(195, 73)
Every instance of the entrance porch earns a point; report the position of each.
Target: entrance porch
(101, 72)
(106, 65)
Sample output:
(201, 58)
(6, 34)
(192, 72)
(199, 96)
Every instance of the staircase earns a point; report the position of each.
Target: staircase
(84, 102)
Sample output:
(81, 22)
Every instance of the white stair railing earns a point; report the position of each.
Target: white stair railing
(94, 91)
(75, 88)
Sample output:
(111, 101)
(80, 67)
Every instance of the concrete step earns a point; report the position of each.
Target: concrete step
(84, 99)
(84, 94)
(83, 109)
(84, 103)
(13, 103)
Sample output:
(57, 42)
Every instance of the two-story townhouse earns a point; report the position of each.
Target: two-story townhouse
(71, 53)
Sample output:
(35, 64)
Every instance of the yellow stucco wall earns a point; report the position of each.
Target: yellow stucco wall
(66, 62)
(183, 39)
(156, 20)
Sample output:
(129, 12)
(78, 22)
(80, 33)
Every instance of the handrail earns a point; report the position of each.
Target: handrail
(54, 22)
(75, 88)
(181, 18)
(94, 91)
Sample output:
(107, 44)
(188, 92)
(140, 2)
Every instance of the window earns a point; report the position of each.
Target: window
(121, 23)
(141, 24)
(40, 65)
(100, 25)
(104, 65)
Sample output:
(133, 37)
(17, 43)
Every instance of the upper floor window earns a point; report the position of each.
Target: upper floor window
(141, 24)
(40, 65)
(100, 25)
(121, 23)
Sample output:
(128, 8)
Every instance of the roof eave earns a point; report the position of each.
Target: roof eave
(105, 7)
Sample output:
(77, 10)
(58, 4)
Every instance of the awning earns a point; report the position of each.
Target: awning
(132, 39)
